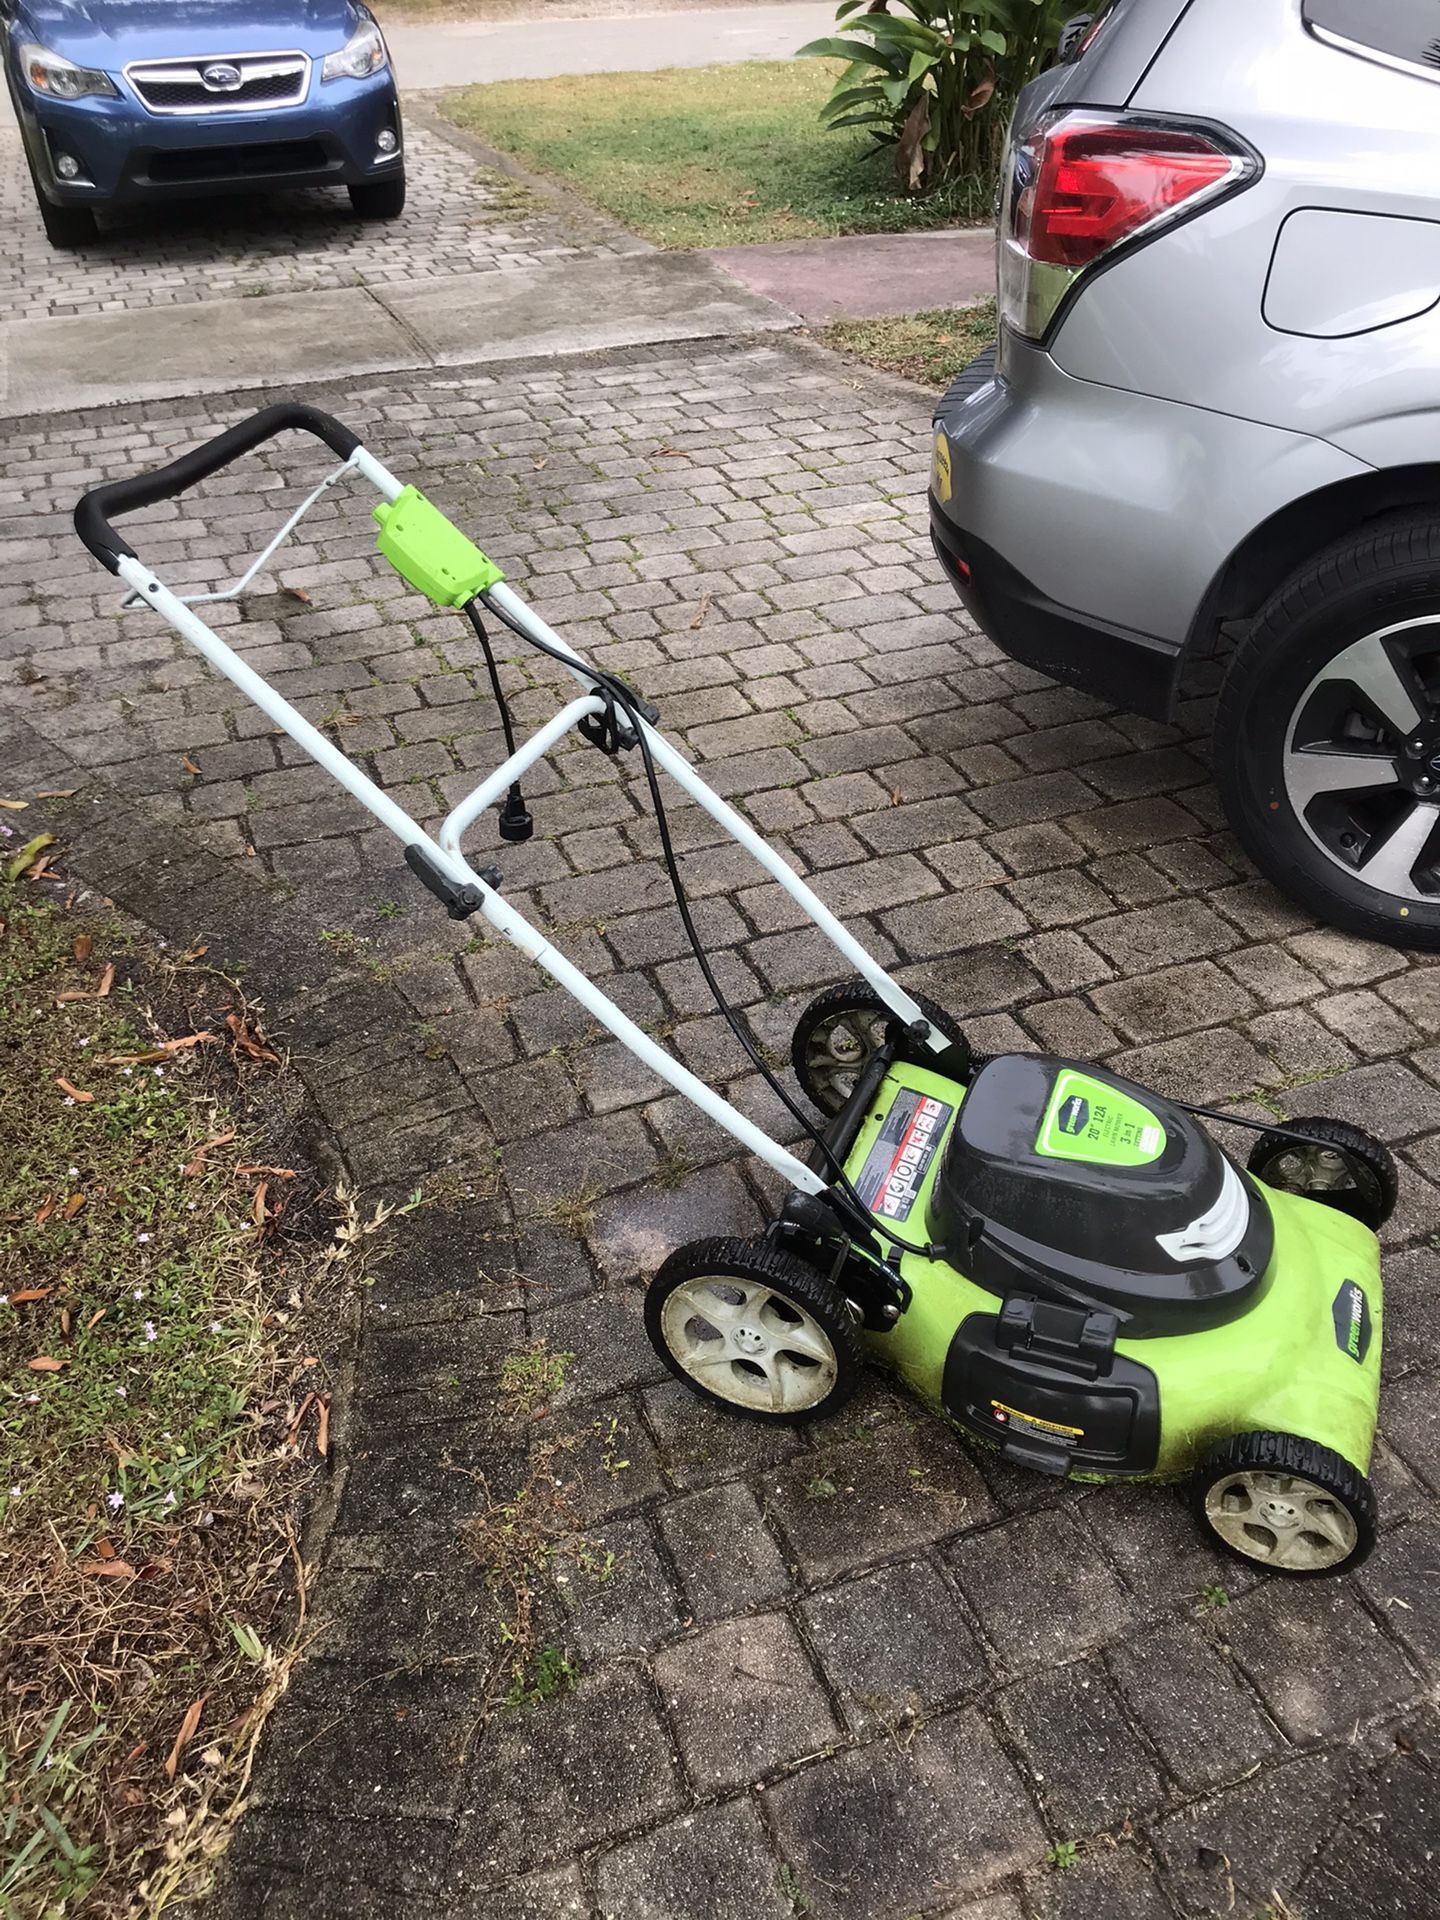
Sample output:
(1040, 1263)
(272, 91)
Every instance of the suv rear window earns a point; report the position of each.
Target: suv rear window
(1397, 30)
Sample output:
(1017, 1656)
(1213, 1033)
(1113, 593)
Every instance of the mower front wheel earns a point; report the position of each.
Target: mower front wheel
(1285, 1503)
(1337, 1164)
(841, 1031)
(754, 1330)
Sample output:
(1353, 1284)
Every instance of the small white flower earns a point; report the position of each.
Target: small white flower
(168, 1501)
(159, 1072)
(142, 1238)
(190, 1206)
(123, 1392)
(4, 1299)
(127, 1071)
(215, 1327)
(114, 1501)
(150, 1333)
(33, 1398)
(74, 1173)
(86, 1041)
(138, 1293)
(14, 1493)
(67, 1101)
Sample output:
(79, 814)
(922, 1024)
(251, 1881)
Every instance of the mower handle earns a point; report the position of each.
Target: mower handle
(92, 514)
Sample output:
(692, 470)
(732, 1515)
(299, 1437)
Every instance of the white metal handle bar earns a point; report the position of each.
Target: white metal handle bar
(443, 854)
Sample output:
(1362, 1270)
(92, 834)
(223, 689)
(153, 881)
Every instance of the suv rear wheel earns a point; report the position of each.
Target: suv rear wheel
(1327, 737)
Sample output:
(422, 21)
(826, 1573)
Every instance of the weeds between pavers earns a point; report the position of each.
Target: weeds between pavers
(158, 1412)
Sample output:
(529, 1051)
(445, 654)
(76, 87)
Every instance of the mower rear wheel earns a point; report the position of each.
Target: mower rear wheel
(1285, 1503)
(841, 1031)
(754, 1330)
(1337, 1164)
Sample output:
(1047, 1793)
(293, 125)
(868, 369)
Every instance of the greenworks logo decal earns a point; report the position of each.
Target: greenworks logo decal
(1074, 1115)
(1350, 1311)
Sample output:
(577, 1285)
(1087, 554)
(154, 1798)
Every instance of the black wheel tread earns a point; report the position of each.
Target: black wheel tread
(1346, 1139)
(787, 1275)
(858, 993)
(1307, 1459)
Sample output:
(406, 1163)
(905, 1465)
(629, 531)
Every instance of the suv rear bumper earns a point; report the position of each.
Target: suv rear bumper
(1129, 669)
(1094, 521)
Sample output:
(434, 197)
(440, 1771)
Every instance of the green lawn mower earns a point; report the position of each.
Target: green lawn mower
(1067, 1268)
(1061, 1264)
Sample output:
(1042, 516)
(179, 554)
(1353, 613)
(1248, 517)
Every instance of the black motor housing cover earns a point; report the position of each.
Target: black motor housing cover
(1077, 1222)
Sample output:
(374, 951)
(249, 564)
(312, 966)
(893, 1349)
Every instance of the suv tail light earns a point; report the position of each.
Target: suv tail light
(1082, 184)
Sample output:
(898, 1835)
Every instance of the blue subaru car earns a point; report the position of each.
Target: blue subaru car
(124, 101)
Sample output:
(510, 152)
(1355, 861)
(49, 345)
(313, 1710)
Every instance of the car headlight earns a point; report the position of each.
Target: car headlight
(362, 54)
(52, 74)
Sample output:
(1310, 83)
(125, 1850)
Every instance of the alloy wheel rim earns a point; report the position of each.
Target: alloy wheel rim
(749, 1344)
(1281, 1520)
(1362, 760)
(840, 1047)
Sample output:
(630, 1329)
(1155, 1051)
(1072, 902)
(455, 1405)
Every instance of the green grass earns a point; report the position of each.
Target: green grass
(707, 156)
(929, 347)
(141, 1486)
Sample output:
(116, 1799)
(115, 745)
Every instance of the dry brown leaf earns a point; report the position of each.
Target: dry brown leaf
(280, 1173)
(43, 1363)
(96, 1317)
(221, 1139)
(188, 764)
(197, 953)
(73, 1205)
(187, 1730)
(260, 1193)
(105, 1550)
(107, 980)
(671, 453)
(111, 1569)
(44, 1211)
(897, 798)
(322, 1431)
(700, 613)
(250, 1042)
(296, 593)
(30, 1293)
(65, 1321)
(81, 949)
(57, 793)
(74, 1093)
(14, 806)
(294, 1434)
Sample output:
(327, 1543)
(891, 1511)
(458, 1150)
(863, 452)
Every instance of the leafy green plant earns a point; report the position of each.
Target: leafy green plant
(936, 80)
(38, 1857)
(1064, 1853)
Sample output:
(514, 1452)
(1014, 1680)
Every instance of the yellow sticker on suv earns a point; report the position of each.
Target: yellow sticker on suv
(940, 470)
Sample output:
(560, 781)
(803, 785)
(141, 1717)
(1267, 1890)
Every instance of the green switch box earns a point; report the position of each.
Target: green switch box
(430, 552)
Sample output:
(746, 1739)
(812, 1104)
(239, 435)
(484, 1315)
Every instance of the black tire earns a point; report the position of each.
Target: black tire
(1281, 705)
(790, 1289)
(828, 1086)
(379, 199)
(1368, 1184)
(1336, 1490)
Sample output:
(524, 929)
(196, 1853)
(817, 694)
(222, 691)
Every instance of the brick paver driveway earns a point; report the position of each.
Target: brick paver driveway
(459, 218)
(858, 1671)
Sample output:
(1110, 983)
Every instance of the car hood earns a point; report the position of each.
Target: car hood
(108, 33)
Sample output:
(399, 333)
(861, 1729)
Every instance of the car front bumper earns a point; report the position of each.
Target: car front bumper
(129, 155)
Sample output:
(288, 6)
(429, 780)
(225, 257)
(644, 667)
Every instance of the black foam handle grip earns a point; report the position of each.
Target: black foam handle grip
(92, 514)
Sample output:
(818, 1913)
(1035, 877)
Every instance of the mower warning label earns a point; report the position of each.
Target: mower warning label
(1350, 1311)
(896, 1164)
(1031, 1423)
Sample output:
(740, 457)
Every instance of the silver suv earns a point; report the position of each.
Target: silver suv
(1212, 422)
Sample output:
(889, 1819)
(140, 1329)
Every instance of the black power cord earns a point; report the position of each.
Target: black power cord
(616, 694)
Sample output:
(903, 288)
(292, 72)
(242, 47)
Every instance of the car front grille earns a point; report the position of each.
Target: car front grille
(239, 83)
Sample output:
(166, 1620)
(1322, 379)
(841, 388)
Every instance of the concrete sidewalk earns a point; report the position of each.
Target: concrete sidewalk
(470, 319)
(457, 53)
